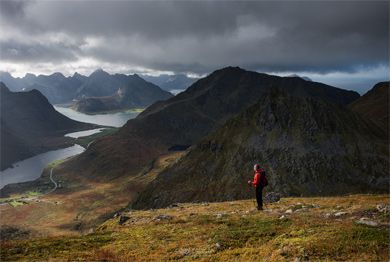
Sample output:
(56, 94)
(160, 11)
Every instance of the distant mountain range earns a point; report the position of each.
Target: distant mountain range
(30, 125)
(183, 120)
(105, 92)
(55, 87)
(98, 92)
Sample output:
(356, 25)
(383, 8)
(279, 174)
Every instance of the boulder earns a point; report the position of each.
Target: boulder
(383, 208)
(163, 217)
(272, 197)
(123, 219)
(367, 222)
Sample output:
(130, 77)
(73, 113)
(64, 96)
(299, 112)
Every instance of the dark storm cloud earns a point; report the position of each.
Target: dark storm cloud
(201, 36)
(12, 8)
(36, 52)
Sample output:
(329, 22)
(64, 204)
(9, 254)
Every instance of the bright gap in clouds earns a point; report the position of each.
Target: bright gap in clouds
(361, 80)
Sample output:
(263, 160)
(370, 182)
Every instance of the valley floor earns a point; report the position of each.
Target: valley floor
(353, 228)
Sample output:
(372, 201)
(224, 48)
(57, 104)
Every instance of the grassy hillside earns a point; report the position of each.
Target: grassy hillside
(79, 205)
(293, 229)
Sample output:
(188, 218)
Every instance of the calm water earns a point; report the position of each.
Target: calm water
(85, 133)
(115, 120)
(31, 168)
(176, 91)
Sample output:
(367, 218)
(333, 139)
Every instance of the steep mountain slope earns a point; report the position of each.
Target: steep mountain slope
(30, 125)
(374, 105)
(133, 92)
(184, 119)
(309, 146)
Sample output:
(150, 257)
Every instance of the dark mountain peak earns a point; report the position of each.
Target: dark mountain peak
(98, 73)
(380, 87)
(5, 74)
(57, 75)
(137, 76)
(374, 105)
(76, 74)
(4, 88)
(301, 77)
(229, 70)
(30, 125)
(79, 76)
(29, 76)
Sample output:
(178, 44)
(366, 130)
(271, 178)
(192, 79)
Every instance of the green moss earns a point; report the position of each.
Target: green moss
(33, 193)
(238, 233)
(16, 203)
(54, 247)
(349, 240)
(55, 163)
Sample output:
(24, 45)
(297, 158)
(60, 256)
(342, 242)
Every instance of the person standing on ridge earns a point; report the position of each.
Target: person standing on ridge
(259, 182)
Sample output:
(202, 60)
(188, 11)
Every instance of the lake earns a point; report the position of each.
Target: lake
(115, 119)
(31, 168)
(85, 133)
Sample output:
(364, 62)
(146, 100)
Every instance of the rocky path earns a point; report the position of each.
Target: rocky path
(53, 181)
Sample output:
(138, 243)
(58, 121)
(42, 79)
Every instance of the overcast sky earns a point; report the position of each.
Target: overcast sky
(341, 43)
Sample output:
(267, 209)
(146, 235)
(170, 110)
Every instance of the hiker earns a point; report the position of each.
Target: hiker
(259, 182)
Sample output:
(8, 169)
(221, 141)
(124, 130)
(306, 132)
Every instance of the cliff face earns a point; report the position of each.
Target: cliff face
(29, 124)
(308, 147)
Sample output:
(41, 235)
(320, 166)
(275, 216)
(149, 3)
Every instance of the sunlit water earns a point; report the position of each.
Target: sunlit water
(31, 168)
(176, 91)
(85, 133)
(116, 119)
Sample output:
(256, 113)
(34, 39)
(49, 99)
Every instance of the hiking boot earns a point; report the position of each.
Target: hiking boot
(259, 208)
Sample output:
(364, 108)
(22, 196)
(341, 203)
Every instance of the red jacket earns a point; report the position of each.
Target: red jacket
(257, 177)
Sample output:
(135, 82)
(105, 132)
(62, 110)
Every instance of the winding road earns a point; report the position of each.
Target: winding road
(53, 181)
(28, 199)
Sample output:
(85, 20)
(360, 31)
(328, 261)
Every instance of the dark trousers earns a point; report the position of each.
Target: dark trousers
(259, 196)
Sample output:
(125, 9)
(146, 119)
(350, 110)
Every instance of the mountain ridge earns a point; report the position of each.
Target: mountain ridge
(309, 147)
(184, 119)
